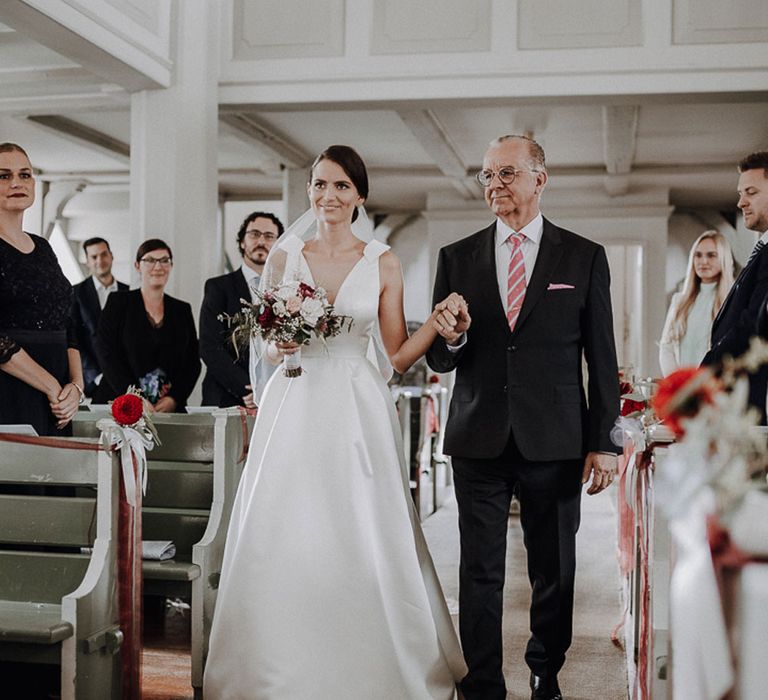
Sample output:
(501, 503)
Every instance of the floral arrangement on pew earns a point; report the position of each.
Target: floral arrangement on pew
(291, 312)
(637, 419)
(720, 446)
(132, 432)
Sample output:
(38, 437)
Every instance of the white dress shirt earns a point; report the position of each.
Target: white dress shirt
(503, 251)
(252, 278)
(103, 292)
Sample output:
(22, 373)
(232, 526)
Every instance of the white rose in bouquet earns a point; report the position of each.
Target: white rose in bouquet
(278, 308)
(311, 310)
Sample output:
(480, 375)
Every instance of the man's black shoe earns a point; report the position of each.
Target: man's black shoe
(545, 687)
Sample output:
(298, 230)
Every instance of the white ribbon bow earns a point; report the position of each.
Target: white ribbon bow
(130, 442)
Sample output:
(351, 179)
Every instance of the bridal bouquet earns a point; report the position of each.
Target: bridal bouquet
(289, 312)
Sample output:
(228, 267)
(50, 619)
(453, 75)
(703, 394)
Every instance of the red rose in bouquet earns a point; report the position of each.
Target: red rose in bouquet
(127, 409)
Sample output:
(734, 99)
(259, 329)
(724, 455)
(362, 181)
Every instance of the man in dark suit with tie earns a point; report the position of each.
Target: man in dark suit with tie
(736, 322)
(90, 296)
(227, 381)
(520, 416)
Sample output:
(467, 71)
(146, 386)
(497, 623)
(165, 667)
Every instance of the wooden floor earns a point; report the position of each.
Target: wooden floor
(166, 664)
(594, 669)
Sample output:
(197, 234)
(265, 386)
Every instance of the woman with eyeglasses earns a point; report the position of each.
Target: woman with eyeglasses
(41, 379)
(147, 339)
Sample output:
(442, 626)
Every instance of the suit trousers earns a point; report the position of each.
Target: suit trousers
(550, 506)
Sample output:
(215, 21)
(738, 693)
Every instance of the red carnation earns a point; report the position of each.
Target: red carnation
(629, 406)
(681, 395)
(127, 409)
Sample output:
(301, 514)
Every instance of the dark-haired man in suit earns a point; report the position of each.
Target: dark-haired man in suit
(520, 416)
(227, 381)
(90, 296)
(737, 321)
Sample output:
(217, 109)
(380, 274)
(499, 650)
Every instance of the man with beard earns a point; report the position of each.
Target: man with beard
(227, 382)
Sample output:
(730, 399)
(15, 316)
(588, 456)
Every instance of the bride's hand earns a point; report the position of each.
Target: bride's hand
(287, 348)
(451, 317)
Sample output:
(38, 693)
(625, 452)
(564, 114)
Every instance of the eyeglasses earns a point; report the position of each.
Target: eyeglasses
(151, 262)
(507, 175)
(255, 234)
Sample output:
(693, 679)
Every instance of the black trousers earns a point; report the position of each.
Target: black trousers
(550, 503)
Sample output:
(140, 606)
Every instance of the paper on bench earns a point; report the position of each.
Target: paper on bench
(158, 550)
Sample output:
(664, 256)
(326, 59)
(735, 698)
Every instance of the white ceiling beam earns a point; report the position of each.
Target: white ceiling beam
(619, 137)
(112, 56)
(436, 141)
(82, 135)
(254, 130)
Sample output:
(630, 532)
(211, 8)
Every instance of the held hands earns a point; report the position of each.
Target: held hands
(451, 318)
(248, 401)
(603, 468)
(64, 404)
(167, 404)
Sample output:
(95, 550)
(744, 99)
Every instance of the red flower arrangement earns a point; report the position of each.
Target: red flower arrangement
(128, 409)
(631, 400)
(682, 394)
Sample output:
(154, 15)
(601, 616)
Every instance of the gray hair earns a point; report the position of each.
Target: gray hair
(535, 151)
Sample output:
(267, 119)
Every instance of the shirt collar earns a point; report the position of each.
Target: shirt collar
(532, 230)
(250, 274)
(111, 288)
(764, 238)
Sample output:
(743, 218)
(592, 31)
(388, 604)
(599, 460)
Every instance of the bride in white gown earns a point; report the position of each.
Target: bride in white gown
(328, 590)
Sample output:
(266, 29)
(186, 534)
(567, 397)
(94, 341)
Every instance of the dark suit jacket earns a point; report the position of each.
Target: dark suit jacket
(128, 346)
(86, 312)
(736, 324)
(226, 375)
(529, 382)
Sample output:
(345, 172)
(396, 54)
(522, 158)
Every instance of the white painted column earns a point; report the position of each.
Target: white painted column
(295, 197)
(174, 181)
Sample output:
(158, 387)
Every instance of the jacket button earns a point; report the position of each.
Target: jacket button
(512, 348)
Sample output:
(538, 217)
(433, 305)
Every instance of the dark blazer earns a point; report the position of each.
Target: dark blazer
(736, 324)
(128, 346)
(86, 312)
(529, 382)
(226, 374)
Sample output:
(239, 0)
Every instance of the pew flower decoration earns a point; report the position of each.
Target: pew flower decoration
(291, 312)
(131, 432)
(720, 447)
(637, 420)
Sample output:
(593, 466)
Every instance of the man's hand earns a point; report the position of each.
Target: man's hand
(451, 318)
(603, 468)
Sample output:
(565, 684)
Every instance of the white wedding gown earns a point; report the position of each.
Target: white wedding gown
(328, 590)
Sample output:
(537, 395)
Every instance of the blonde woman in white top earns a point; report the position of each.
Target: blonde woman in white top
(688, 328)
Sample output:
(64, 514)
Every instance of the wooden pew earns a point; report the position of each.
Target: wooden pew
(191, 487)
(59, 607)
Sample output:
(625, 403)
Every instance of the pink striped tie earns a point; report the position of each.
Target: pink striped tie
(515, 280)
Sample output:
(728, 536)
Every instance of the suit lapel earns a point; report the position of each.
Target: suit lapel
(550, 250)
(736, 285)
(484, 266)
(240, 287)
(92, 301)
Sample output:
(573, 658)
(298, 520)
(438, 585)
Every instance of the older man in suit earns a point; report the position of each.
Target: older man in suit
(90, 296)
(227, 381)
(740, 317)
(520, 416)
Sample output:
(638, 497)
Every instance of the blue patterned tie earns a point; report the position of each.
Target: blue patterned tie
(758, 247)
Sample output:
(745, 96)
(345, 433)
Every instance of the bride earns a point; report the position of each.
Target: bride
(327, 587)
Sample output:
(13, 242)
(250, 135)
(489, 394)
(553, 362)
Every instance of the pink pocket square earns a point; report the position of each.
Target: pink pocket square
(560, 286)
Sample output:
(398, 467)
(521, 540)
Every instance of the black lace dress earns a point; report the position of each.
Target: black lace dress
(35, 314)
